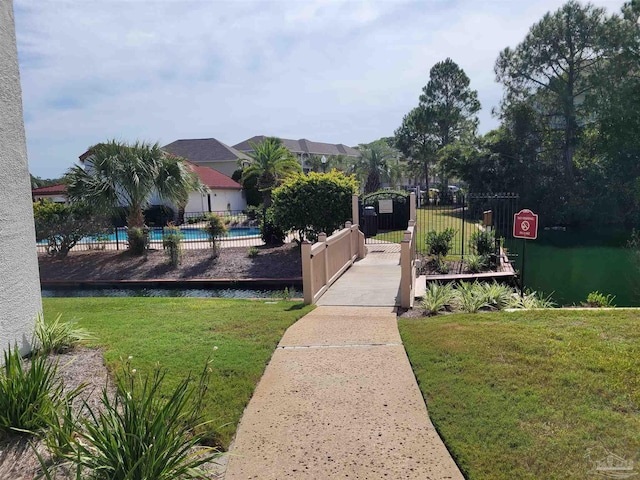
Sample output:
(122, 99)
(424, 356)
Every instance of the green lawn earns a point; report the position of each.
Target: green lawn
(528, 394)
(180, 333)
(438, 219)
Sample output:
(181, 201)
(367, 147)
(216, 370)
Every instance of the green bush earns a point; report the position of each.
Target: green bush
(471, 297)
(138, 240)
(29, 398)
(63, 226)
(141, 434)
(313, 203)
(253, 252)
(496, 295)
(439, 243)
(531, 299)
(600, 300)
(437, 297)
(476, 263)
(57, 336)
(172, 243)
(196, 219)
(270, 231)
(483, 242)
(215, 228)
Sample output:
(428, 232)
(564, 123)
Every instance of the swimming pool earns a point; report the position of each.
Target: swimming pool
(188, 234)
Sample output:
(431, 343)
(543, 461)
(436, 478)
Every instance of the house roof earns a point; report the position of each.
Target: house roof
(303, 146)
(58, 189)
(214, 179)
(200, 150)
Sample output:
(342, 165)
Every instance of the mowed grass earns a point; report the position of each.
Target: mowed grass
(530, 395)
(180, 334)
(438, 219)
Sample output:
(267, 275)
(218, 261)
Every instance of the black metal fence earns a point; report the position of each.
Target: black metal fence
(462, 214)
(243, 230)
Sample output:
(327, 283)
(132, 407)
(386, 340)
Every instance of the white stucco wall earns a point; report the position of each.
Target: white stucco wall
(20, 299)
(220, 200)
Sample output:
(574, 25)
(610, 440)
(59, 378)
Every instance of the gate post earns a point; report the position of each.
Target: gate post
(307, 273)
(355, 210)
(412, 206)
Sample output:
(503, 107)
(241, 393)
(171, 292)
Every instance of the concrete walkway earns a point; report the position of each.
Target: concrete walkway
(372, 281)
(339, 400)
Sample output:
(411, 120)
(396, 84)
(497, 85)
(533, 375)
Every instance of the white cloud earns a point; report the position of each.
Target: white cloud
(336, 71)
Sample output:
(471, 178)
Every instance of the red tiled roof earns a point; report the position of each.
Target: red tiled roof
(213, 178)
(51, 190)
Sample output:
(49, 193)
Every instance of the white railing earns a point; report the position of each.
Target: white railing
(324, 261)
(408, 266)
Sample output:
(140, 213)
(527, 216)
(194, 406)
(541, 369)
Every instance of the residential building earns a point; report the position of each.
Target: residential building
(209, 152)
(53, 193)
(224, 194)
(303, 149)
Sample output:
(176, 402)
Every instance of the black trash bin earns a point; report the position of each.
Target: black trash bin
(369, 222)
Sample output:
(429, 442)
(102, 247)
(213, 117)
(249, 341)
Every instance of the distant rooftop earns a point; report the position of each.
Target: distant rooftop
(303, 146)
(199, 150)
(213, 178)
(50, 190)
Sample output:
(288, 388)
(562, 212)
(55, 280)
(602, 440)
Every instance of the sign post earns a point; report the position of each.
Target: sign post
(525, 226)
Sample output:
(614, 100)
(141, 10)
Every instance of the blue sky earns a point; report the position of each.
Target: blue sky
(329, 71)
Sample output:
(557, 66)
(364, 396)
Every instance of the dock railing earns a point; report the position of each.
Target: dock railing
(324, 261)
(408, 266)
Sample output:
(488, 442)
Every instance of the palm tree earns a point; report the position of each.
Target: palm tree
(374, 163)
(271, 162)
(120, 175)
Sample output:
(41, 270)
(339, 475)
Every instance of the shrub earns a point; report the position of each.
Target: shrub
(196, 219)
(172, 243)
(138, 240)
(29, 397)
(496, 295)
(57, 336)
(270, 231)
(439, 243)
(437, 297)
(483, 242)
(476, 263)
(142, 433)
(600, 300)
(470, 297)
(253, 252)
(215, 229)
(63, 226)
(531, 299)
(313, 203)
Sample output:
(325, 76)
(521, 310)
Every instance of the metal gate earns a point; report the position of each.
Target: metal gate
(384, 217)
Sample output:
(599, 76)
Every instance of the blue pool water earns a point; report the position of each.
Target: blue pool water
(188, 233)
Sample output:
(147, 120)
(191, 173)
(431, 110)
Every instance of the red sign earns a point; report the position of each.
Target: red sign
(525, 224)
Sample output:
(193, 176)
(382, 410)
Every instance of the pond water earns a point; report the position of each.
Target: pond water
(573, 263)
(172, 292)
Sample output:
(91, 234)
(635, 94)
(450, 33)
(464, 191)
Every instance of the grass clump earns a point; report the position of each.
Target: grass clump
(57, 336)
(476, 263)
(437, 297)
(532, 299)
(253, 252)
(29, 397)
(600, 300)
(215, 229)
(470, 297)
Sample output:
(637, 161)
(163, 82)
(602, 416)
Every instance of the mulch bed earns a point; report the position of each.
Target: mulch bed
(232, 263)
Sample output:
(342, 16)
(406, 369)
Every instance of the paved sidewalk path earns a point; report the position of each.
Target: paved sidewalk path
(372, 281)
(339, 400)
